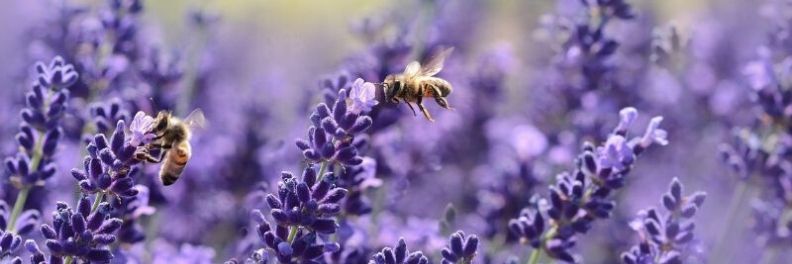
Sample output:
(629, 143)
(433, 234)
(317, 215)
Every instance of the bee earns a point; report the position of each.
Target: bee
(172, 138)
(417, 82)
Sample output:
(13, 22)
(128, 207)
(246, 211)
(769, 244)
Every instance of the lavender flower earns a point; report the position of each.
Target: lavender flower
(10, 240)
(131, 209)
(579, 198)
(332, 135)
(302, 211)
(308, 202)
(108, 166)
(665, 239)
(40, 129)
(83, 233)
(759, 154)
(141, 128)
(461, 248)
(399, 255)
(104, 115)
(361, 97)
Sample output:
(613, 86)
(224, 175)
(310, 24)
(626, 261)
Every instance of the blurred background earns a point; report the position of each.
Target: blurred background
(525, 100)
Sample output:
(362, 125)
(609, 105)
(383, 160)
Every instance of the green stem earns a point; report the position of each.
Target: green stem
(322, 171)
(35, 161)
(736, 203)
(68, 260)
(536, 254)
(99, 198)
(292, 234)
(18, 206)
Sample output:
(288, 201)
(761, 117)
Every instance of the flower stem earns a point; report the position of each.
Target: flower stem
(736, 203)
(536, 254)
(68, 260)
(18, 206)
(322, 171)
(99, 198)
(292, 234)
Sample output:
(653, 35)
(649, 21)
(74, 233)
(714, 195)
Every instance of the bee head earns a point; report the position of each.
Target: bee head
(162, 121)
(390, 88)
(395, 89)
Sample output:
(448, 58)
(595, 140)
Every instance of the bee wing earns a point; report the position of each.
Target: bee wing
(195, 119)
(412, 69)
(435, 63)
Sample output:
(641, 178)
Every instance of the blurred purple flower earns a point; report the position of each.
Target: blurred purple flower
(666, 239)
(361, 97)
(654, 134)
(141, 127)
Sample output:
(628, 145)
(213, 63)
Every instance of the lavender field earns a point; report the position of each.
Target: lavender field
(396, 132)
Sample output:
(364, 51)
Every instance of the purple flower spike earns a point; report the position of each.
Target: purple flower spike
(461, 248)
(579, 198)
(399, 255)
(666, 238)
(40, 130)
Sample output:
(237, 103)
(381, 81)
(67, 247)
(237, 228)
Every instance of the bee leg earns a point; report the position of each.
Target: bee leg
(142, 155)
(419, 102)
(443, 103)
(160, 146)
(439, 99)
(425, 112)
(411, 108)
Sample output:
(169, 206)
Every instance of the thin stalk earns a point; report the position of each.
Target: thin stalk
(18, 205)
(35, 161)
(292, 234)
(736, 203)
(322, 170)
(536, 254)
(68, 260)
(99, 198)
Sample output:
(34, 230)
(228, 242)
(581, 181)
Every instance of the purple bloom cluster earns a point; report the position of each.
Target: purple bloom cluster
(40, 129)
(529, 99)
(104, 115)
(331, 138)
(399, 255)
(10, 239)
(82, 233)
(579, 198)
(109, 165)
(298, 242)
(461, 248)
(665, 239)
(308, 202)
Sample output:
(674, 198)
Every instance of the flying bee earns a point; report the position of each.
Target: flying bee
(172, 137)
(417, 82)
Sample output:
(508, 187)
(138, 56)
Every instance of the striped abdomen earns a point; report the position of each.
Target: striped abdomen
(174, 163)
(433, 84)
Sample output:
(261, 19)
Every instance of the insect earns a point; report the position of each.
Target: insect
(417, 82)
(173, 141)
